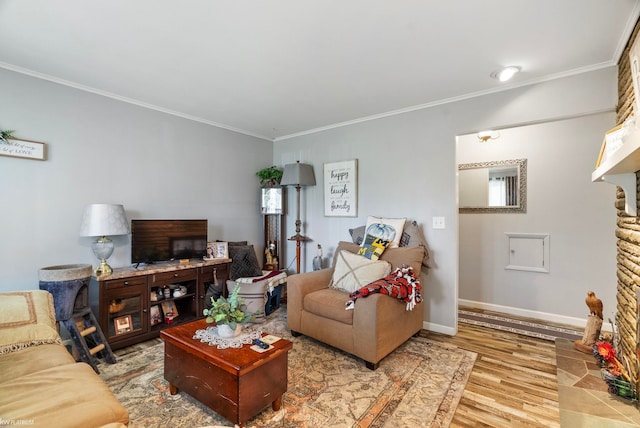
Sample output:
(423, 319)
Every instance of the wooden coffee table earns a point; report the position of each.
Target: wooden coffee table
(235, 383)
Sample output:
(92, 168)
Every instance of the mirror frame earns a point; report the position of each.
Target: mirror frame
(522, 187)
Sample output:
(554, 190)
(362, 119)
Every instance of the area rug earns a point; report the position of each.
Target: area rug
(419, 384)
(513, 325)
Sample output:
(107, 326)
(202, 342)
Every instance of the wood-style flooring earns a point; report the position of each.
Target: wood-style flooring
(513, 382)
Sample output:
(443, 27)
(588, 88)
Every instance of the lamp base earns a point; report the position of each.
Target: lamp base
(103, 269)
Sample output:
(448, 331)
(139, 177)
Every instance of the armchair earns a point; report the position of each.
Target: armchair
(376, 326)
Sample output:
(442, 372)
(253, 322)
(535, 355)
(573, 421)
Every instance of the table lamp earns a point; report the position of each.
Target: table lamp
(103, 220)
(298, 175)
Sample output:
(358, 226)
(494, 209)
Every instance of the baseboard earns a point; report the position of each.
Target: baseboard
(439, 328)
(526, 313)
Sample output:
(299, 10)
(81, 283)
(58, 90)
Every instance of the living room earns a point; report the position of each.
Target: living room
(158, 164)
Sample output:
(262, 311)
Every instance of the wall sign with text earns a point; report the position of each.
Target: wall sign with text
(341, 189)
(16, 148)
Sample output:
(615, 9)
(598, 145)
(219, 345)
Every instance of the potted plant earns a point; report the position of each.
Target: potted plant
(270, 176)
(229, 314)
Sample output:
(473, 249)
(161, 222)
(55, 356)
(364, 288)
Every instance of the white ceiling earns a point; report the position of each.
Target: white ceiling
(277, 68)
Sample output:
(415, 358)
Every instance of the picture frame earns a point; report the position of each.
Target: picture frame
(271, 200)
(155, 315)
(123, 324)
(341, 189)
(169, 309)
(613, 140)
(222, 250)
(210, 251)
(25, 149)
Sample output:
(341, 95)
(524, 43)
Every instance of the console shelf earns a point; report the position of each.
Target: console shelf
(133, 287)
(620, 168)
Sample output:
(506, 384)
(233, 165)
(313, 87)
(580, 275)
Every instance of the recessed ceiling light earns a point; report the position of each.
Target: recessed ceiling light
(505, 73)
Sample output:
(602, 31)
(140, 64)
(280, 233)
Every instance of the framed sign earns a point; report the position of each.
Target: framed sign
(341, 189)
(25, 149)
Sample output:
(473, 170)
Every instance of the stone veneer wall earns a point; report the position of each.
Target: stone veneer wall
(628, 234)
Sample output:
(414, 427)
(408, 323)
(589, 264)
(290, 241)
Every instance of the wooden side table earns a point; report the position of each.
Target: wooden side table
(235, 383)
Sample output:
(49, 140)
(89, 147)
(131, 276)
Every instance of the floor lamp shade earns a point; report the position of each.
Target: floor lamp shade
(298, 174)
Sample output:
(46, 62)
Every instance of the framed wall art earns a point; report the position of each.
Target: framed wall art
(25, 149)
(222, 250)
(341, 189)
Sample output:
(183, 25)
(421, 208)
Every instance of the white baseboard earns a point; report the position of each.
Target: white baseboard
(543, 316)
(439, 328)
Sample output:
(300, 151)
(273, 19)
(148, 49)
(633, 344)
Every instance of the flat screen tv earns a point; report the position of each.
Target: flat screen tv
(162, 240)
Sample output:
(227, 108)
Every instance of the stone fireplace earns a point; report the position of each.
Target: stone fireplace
(628, 234)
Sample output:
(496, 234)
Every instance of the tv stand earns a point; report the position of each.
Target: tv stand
(129, 297)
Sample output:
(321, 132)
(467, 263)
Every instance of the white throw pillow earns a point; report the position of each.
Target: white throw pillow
(387, 229)
(353, 271)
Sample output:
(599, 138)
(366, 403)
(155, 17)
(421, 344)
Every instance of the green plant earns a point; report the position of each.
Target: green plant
(270, 176)
(6, 134)
(228, 310)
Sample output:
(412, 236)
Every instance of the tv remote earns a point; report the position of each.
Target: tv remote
(260, 343)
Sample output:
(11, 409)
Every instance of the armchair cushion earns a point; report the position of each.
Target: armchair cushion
(328, 303)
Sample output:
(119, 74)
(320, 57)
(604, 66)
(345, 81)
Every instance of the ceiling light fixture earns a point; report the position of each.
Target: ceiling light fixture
(505, 73)
(485, 136)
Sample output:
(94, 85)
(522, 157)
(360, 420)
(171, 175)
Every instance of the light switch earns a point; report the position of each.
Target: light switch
(438, 222)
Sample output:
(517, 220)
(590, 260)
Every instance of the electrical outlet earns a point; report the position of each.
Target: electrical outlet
(438, 222)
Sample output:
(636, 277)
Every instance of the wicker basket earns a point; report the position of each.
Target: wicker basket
(116, 306)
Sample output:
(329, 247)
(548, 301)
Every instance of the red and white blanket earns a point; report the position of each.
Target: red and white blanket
(401, 284)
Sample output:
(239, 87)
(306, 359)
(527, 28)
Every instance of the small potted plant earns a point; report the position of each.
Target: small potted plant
(270, 176)
(229, 314)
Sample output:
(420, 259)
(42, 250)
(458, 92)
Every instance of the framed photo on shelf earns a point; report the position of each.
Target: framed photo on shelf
(169, 308)
(123, 324)
(341, 189)
(211, 251)
(155, 314)
(222, 250)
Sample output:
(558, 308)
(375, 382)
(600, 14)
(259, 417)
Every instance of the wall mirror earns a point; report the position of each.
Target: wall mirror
(493, 187)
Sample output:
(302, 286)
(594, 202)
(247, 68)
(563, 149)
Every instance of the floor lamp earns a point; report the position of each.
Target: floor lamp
(298, 175)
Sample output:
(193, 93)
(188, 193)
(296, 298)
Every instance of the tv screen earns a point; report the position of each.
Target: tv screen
(162, 240)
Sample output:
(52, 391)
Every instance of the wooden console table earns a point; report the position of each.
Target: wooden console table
(130, 309)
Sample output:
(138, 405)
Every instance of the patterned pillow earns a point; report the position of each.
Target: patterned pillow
(372, 247)
(389, 229)
(244, 262)
(27, 318)
(352, 271)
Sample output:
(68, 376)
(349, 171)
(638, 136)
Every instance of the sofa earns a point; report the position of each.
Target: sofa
(376, 326)
(41, 384)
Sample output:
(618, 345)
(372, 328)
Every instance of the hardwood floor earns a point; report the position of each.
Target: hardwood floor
(513, 382)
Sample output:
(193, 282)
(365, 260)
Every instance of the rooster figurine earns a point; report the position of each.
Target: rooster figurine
(594, 304)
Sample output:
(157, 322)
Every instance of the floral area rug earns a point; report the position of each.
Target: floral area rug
(419, 384)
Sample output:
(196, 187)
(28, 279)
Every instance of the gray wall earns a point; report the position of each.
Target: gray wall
(106, 151)
(407, 168)
(578, 215)
(160, 166)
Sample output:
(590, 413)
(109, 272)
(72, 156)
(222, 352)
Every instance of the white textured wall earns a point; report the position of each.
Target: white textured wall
(407, 167)
(106, 151)
(562, 201)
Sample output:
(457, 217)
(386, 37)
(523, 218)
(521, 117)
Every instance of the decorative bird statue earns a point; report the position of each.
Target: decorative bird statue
(594, 304)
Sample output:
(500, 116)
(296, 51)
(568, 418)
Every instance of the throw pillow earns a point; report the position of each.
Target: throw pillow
(357, 235)
(372, 247)
(244, 262)
(26, 319)
(352, 271)
(412, 236)
(388, 229)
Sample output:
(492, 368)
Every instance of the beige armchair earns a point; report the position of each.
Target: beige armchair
(373, 329)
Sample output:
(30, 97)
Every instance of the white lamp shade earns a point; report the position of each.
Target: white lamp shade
(104, 220)
(298, 174)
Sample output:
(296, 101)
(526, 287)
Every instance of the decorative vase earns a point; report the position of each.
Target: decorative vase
(226, 332)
